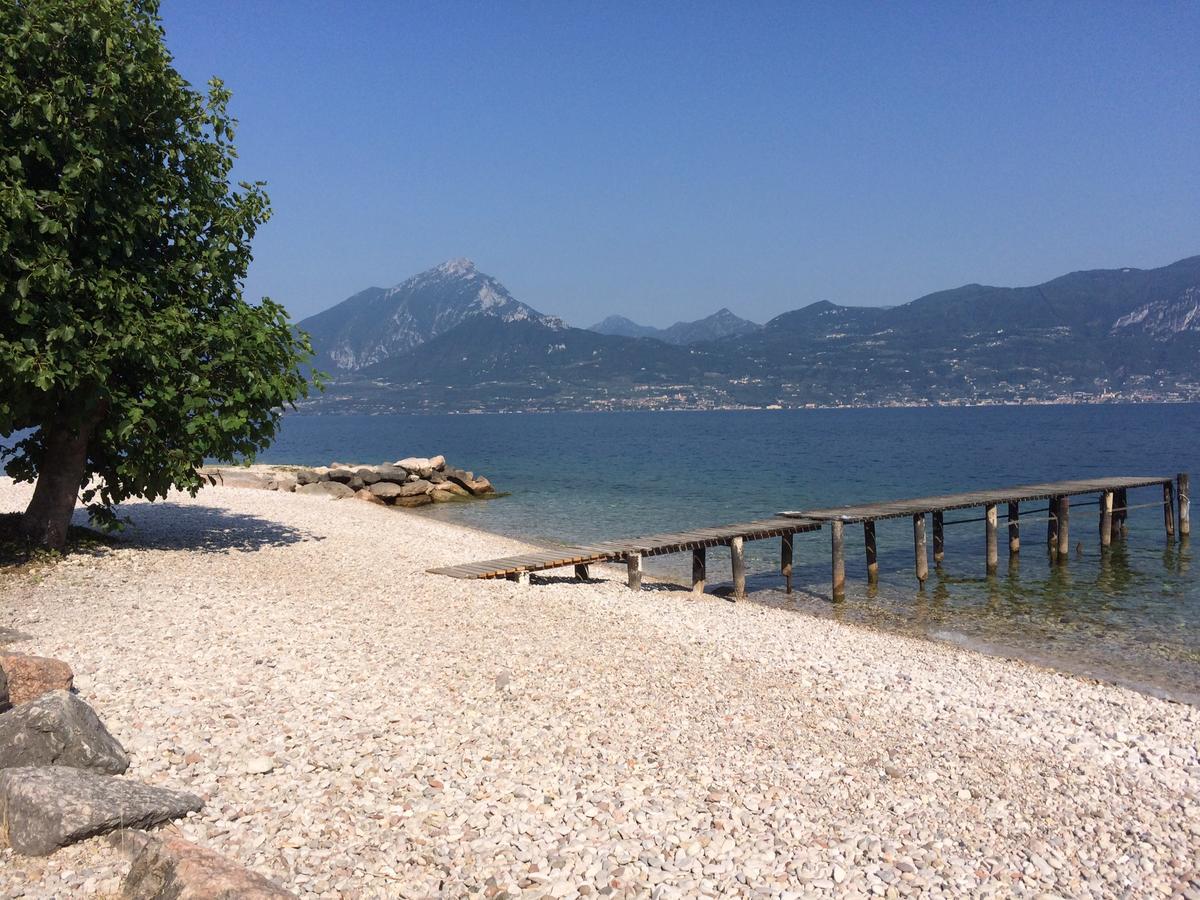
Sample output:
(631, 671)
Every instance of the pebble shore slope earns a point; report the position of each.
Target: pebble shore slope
(362, 729)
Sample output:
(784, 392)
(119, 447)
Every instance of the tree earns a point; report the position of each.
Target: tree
(127, 352)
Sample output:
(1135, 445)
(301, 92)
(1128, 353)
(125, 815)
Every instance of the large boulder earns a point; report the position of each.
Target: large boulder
(477, 486)
(281, 481)
(385, 490)
(43, 808)
(418, 500)
(366, 495)
(59, 729)
(368, 476)
(415, 488)
(437, 462)
(29, 677)
(334, 489)
(306, 476)
(345, 476)
(167, 867)
(392, 473)
(413, 462)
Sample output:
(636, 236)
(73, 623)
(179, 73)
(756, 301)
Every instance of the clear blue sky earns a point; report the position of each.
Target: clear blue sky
(664, 160)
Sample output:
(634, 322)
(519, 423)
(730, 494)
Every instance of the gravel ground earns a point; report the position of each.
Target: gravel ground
(361, 728)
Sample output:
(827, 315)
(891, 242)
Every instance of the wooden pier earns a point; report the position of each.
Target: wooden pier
(1113, 504)
(632, 551)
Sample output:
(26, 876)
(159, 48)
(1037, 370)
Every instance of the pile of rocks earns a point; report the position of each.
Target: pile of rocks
(413, 481)
(60, 784)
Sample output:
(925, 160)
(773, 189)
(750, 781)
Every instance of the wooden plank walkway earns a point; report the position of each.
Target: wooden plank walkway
(631, 550)
(894, 509)
(1113, 503)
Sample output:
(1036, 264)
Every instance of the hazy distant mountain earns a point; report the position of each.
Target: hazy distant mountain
(619, 326)
(1125, 332)
(720, 324)
(380, 323)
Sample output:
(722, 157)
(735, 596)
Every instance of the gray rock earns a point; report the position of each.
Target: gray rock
(329, 488)
(286, 483)
(58, 729)
(306, 476)
(368, 476)
(413, 463)
(48, 807)
(313, 487)
(356, 484)
(167, 867)
(385, 490)
(392, 473)
(415, 488)
(345, 476)
(418, 500)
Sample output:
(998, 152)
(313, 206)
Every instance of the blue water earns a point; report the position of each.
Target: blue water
(1131, 615)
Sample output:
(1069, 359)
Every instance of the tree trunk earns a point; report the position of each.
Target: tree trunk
(61, 473)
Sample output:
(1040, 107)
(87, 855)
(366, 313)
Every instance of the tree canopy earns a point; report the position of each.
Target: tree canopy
(125, 342)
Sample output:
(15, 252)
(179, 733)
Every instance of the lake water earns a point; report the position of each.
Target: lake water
(1130, 615)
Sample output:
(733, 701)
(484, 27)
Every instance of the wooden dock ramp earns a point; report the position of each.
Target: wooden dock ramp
(633, 550)
(1112, 501)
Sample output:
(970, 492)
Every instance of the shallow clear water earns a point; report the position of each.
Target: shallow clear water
(1130, 615)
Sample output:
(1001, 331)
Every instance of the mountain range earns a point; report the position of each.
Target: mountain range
(454, 338)
(720, 324)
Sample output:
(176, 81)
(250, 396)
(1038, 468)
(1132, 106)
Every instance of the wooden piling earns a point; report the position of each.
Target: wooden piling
(1052, 525)
(1106, 517)
(1169, 509)
(1121, 517)
(1185, 505)
(698, 570)
(1064, 527)
(633, 563)
(939, 538)
(1014, 528)
(838, 548)
(581, 572)
(919, 548)
(737, 558)
(993, 555)
(871, 552)
(785, 560)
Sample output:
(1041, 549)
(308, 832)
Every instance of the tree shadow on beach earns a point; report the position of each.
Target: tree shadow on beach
(205, 529)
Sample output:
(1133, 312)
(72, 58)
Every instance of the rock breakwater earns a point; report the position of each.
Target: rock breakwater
(409, 482)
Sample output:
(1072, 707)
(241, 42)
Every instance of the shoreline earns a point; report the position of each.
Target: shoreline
(433, 735)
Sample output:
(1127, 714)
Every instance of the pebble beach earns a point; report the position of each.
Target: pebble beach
(360, 728)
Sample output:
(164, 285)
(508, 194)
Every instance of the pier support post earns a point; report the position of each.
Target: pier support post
(1121, 516)
(1064, 527)
(1106, 518)
(919, 548)
(838, 548)
(698, 570)
(993, 555)
(737, 558)
(1014, 528)
(633, 562)
(1169, 509)
(581, 571)
(1185, 505)
(872, 554)
(939, 538)
(785, 560)
(1052, 524)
